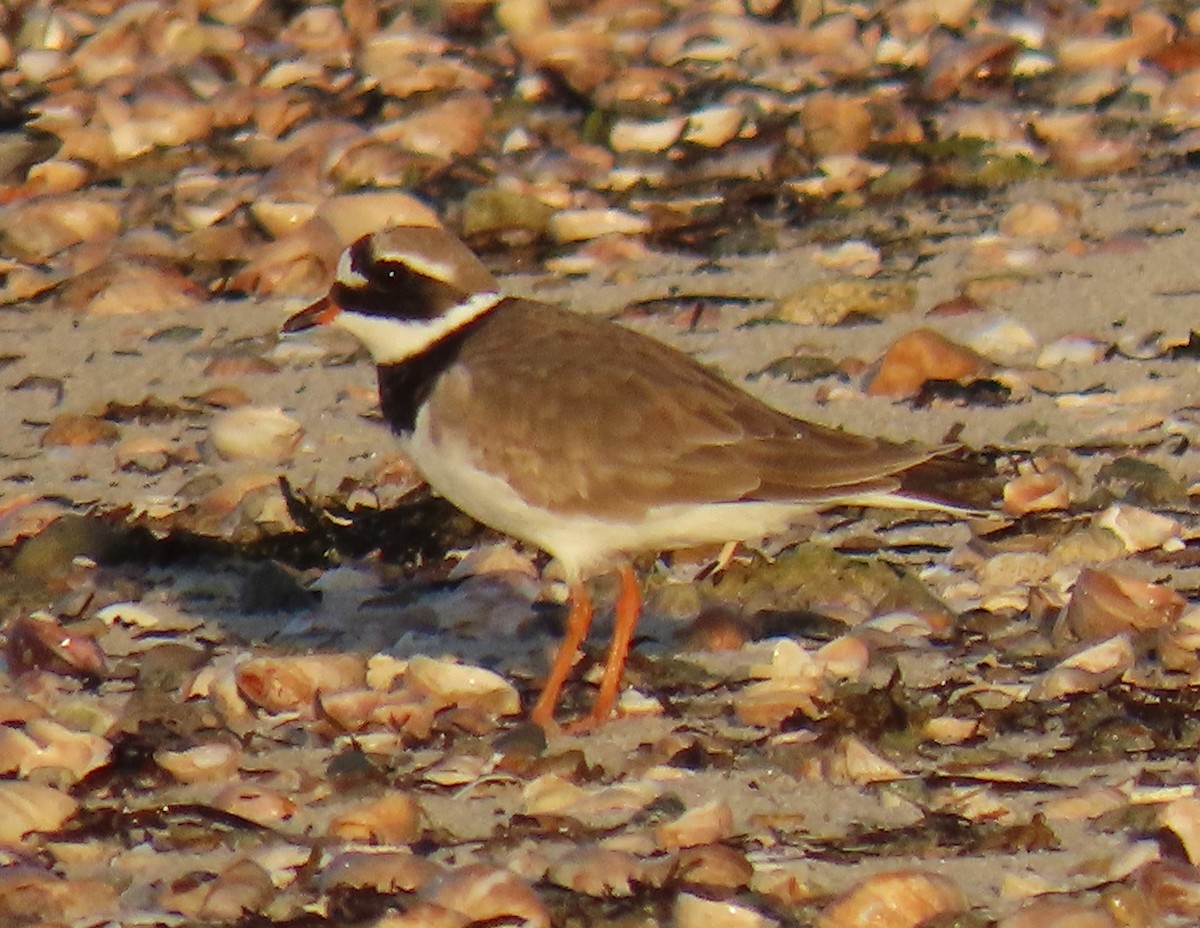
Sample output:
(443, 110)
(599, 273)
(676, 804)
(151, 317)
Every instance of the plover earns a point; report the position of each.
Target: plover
(578, 435)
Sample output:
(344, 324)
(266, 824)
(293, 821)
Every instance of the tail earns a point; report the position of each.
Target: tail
(959, 481)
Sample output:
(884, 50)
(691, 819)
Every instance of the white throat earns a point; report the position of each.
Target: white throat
(393, 340)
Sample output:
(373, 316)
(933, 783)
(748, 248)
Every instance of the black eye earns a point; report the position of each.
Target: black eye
(384, 273)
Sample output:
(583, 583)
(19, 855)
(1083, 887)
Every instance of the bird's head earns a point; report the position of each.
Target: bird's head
(401, 290)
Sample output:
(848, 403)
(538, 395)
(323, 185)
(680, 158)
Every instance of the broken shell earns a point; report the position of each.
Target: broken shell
(1034, 492)
(1171, 887)
(263, 806)
(597, 871)
(550, 794)
(961, 62)
(224, 396)
(1032, 219)
(712, 867)
(58, 176)
(354, 710)
(72, 430)
(245, 886)
(1149, 31)
(27, 807)
(580, 55)
(1104, 604)
(960, 305)
(286, 684)
(123, 287)
(920, 356)
(458, 770)
(1179, 644)
(484, 893)
(632, 703)
(831, 302)
(281, 218)
(704, 824)
(659, 135)
(391, 871)
(858, 258)
(839, 174)
(714, 126)
(26, 515)
(453, 128)
(40, 642)
(1004, 341)
(31, 895)
(383, 670)
(947, 729)
(1072, 349)
(1140, 529)
(35, 232)
(692, 911)
(1182, 816)
(144, 453)
(1087, 671)
(575, 225)
(851, 761)
(463, 685)
(1108, 657)
(200, 764)
(896, 899)
(1094, 157)
(794, 683)
(1059, 913)
(45, 744)
(835, 124)
(217, 682)
(1085, 804)
(302, 262)
(253, 498)
(391, 819)
(500, 559)
(844, 658)
(17, 710)
(255, 433)
(354, 215)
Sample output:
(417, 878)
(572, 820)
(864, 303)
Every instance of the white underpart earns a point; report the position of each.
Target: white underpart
(585, 544)
(393, 340)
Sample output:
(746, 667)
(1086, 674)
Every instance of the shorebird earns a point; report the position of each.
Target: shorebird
(580, 436)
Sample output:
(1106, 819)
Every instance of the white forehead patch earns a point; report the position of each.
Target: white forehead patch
(391, 341)
(346, 274)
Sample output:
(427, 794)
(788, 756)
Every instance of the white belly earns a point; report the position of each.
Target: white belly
(586, 543)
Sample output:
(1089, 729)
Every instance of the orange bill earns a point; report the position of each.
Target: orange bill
(321, 312)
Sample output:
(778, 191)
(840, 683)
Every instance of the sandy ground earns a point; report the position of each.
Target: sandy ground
(1131, 289)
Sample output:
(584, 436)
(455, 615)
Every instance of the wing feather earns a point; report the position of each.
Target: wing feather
(540, 389)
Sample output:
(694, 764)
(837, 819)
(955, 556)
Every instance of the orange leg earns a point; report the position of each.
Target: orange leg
(629, 607)
(579, 619)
